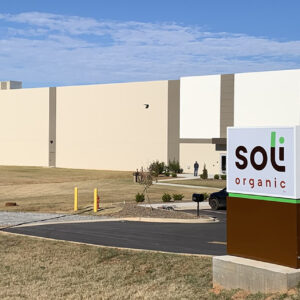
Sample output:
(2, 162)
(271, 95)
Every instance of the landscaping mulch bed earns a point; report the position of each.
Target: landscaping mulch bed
(132, 210)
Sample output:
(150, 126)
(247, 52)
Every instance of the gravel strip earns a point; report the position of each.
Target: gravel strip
(133, 210)
(14, 218)
(179, 205)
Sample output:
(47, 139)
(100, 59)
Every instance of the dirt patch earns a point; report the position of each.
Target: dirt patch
(132, 210)
(240, 295)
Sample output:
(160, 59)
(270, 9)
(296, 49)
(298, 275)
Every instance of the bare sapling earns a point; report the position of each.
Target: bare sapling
(146, 180)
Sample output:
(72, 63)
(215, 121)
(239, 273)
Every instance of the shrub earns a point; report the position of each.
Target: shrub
(174, 174)
(216, 176)
(177, 197)
(204, 174)
(156, 168)
(167, 173)
(139, 197)
(166, 197)
(174, 166)
(223, 177)
(206, 195)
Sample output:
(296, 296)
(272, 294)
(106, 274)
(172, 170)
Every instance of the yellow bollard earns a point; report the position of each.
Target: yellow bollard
(75, 199)
(95, 200)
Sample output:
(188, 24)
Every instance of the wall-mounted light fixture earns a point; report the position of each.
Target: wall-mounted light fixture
(146, 105)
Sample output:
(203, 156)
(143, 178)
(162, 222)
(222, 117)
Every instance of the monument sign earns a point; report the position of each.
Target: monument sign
(263, 182)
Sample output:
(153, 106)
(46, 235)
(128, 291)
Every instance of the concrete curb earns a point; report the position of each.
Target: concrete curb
(169, 220)
(129, 219)
(65, 222)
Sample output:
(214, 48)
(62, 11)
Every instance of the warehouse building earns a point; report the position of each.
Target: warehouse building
(209, 104)
(128, 125)
(110, 126)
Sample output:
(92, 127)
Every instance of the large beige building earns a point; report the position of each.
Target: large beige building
(128, 125)
(110, 126)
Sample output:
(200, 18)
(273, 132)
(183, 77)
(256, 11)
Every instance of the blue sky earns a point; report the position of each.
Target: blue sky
(53, 43)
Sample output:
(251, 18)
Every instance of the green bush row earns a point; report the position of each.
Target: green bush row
(167, 197)
(204, 174)
(157, 168)
(140, 197)
(217, 176)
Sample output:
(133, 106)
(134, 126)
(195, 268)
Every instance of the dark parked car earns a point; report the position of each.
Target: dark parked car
(218, 200)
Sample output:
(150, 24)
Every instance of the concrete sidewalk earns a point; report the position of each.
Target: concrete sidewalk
(181, 177)
(187, 186)
(168, 182)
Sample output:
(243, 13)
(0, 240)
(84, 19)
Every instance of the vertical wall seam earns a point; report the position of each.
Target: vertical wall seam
(168, 122)
(226, 103)
(173, 116)
(52, 127)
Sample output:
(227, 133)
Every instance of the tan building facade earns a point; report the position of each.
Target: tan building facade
(110, 127)
(24, 127)
(117, 126)
(210, 104)
(129, 125)
(206, 110)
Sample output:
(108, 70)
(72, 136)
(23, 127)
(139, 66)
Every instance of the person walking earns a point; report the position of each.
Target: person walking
(196, 167)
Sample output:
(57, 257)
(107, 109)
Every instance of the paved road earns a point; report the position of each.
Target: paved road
(200, 238)
(221, 215)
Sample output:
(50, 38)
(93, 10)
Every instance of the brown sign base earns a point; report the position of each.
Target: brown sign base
(264, 230)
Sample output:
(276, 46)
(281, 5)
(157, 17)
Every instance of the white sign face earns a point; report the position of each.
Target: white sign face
(261, 161)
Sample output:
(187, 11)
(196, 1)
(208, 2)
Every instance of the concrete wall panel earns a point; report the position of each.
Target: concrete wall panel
(24, 127)
(203, 154)
(200, 107)
(108, 127)
(267, 98)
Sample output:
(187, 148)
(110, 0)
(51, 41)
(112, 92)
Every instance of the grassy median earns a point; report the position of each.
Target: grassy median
(33, 268)
(51, 189)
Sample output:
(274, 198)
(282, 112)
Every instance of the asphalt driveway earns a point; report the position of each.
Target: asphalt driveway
(201, 238)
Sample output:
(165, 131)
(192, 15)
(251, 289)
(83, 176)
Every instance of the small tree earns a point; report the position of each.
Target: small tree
(174, 166)
(146, 180)
(156, 168)
(204, 174)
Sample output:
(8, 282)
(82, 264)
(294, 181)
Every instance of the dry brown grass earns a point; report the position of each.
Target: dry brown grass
(40, 269)
(51, 189)
(203, 182)
(33, 268)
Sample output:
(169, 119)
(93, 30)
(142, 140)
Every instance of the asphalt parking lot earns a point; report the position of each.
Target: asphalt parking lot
(219, 214)
(200, 238)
